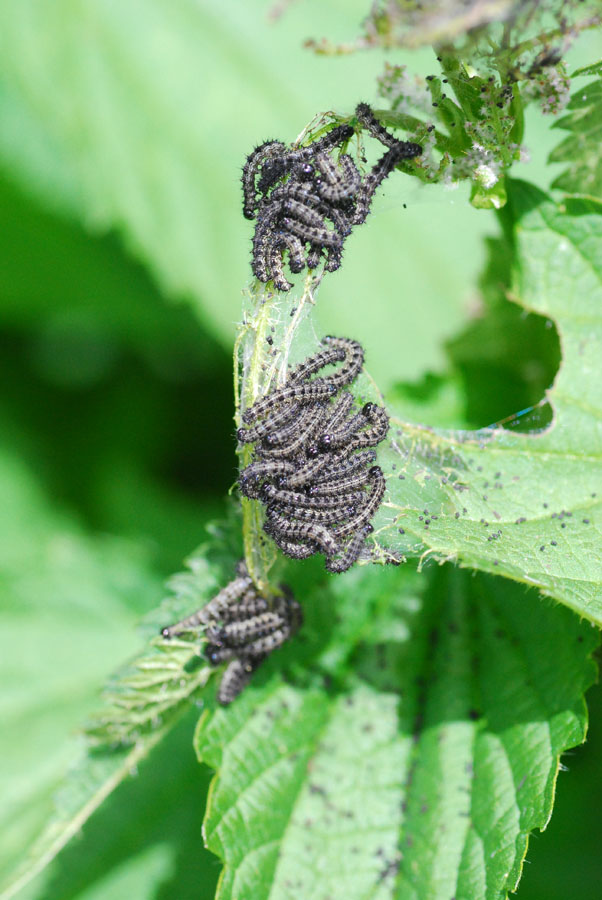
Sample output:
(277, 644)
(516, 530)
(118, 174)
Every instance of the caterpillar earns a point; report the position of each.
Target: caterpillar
(215, 608)
(306, 531)
(249, 173)
(293, 500)
(368, 510)
(339, 180)
(278, 417)
(322, 495)
(339, 564)
(318, 389)
(294, 192)
(308, 423)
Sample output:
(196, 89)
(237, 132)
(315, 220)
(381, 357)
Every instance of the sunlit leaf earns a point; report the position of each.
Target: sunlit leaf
(593, 69)
(417, 768)
(524, 505)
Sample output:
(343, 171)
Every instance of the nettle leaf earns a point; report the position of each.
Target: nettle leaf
(592, 69)
(143, 702)
(87, 785)
(581, 148)
(523, 505)
(412, 747)
(144, 839)
(70, 604)
(157, 686)
(112, 296)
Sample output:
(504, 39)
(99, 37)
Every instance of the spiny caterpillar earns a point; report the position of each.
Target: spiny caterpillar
(319, 493)
(306, 197)
(242, 627)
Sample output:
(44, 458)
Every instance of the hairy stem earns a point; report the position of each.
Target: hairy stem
(261, 354)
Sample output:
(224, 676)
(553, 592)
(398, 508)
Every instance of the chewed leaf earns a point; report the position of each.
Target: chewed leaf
(527, 506)
(421, 774)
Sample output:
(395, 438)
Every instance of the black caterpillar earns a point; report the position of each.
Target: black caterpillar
(306, 201)
(242, 627)
(320, 493)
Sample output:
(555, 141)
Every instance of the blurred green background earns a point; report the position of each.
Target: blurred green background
(123, 128)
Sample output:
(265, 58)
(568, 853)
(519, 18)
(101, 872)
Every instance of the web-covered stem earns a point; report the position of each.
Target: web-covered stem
(262, 351)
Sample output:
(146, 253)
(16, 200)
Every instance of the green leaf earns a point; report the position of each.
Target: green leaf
(435, 400)
(566, 863)
(592, 69)
(145, 839)
(89, 782)
(148, 137)
(506, 358)
(102, 374)
(69, 608)
(412, 748)
(526, 506)
(113, 299)
(581, 148)
(168, 675)
(143, 702)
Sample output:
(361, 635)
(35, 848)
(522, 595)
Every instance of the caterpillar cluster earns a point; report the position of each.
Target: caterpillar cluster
(313, 466)
(242, 627)
(306, 201)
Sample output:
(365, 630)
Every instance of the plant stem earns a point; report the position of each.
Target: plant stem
(261, 353)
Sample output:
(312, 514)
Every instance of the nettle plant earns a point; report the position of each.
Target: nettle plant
(407, 739)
